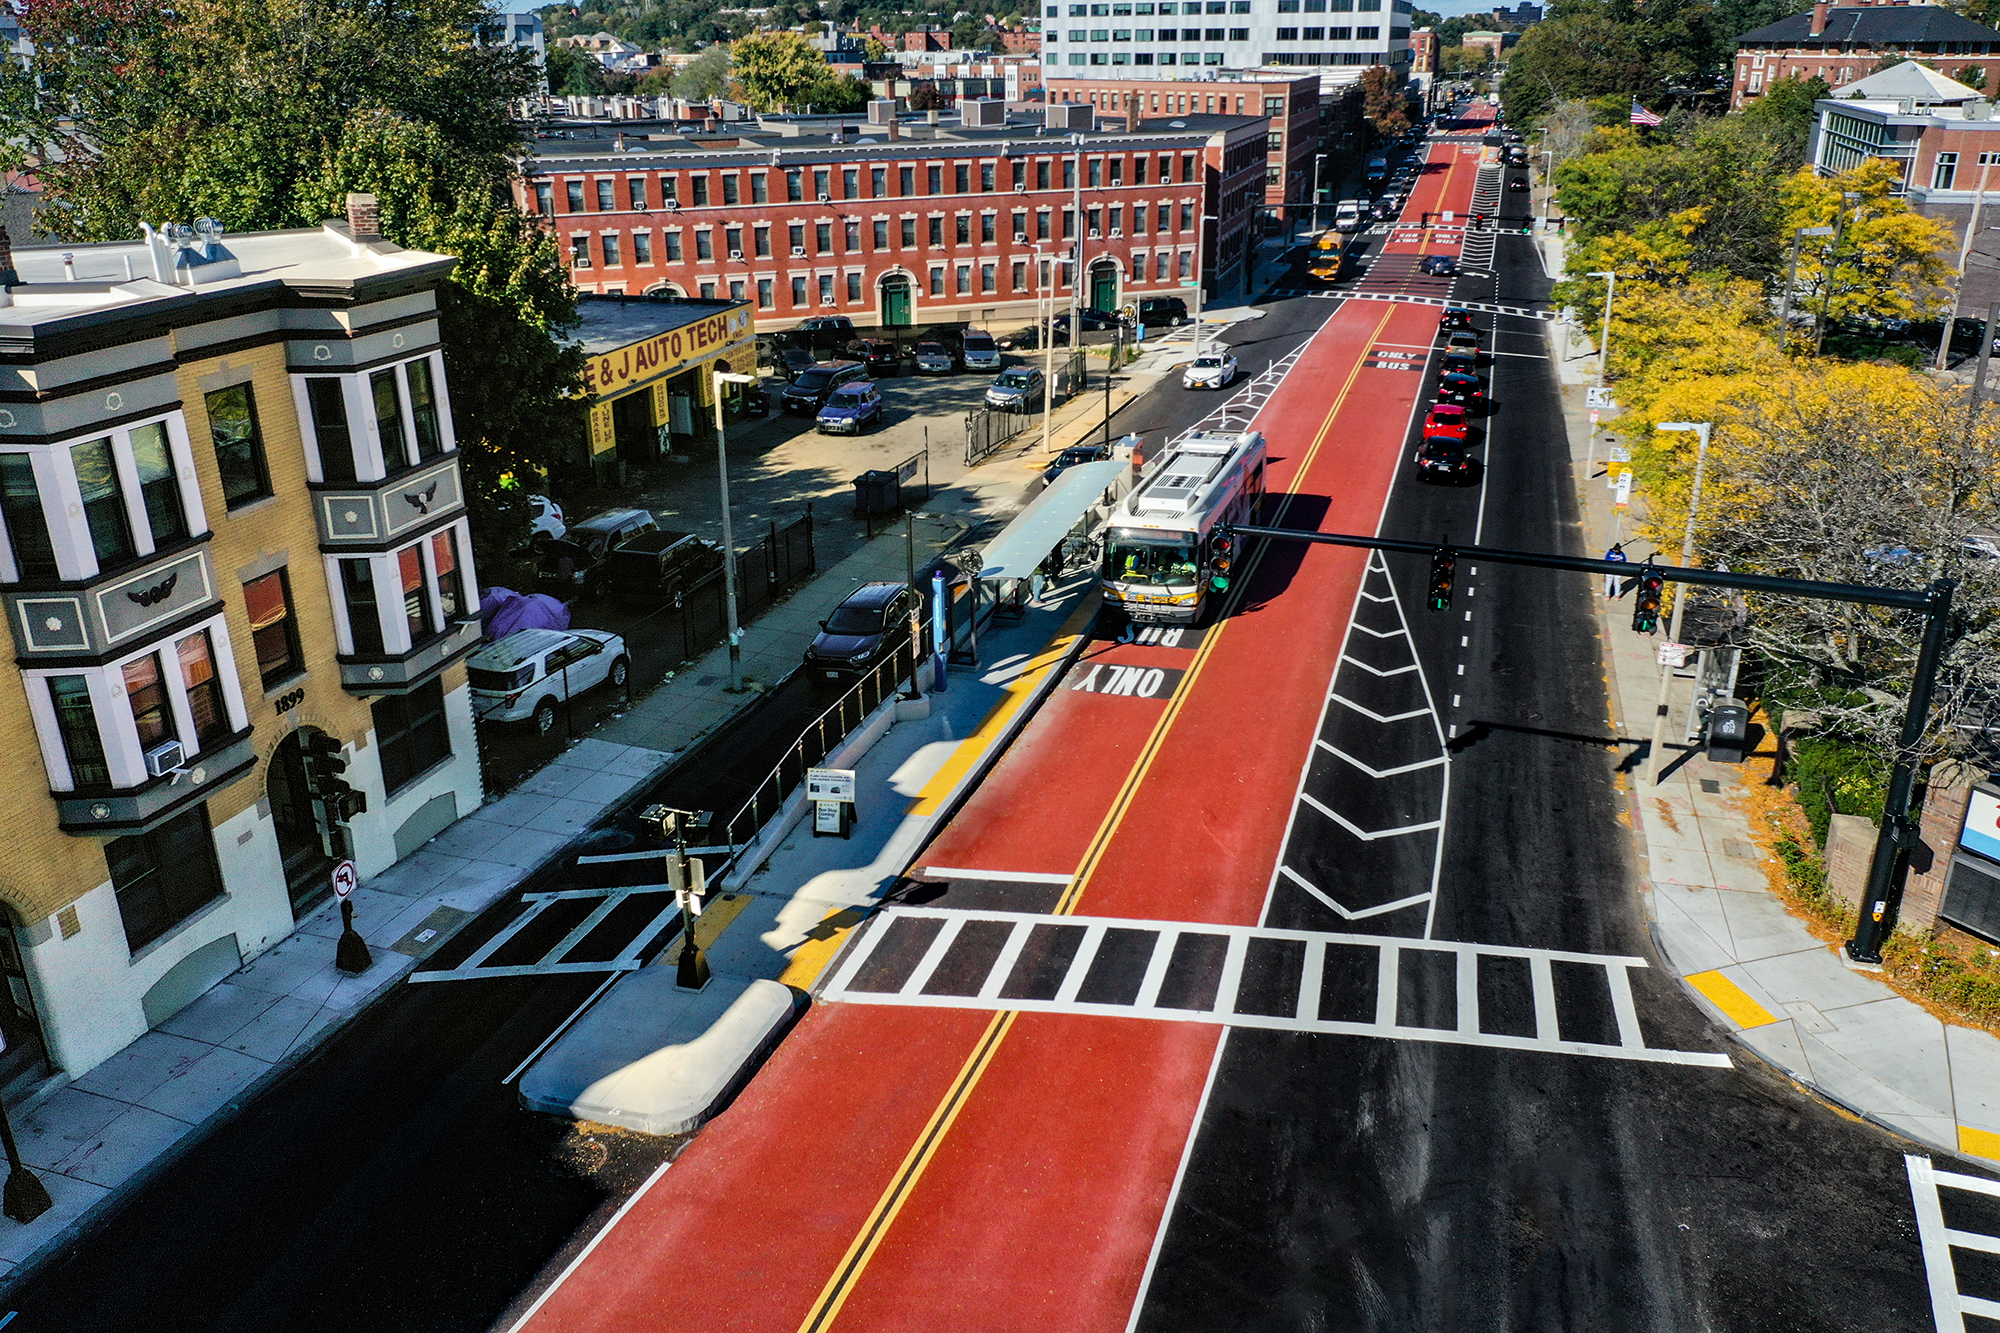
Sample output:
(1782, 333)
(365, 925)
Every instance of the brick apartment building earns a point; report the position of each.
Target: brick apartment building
(897, 225)
(231, 526)
(1843, 43)
(1021, 41)
(1424, 48)
(1289, 102)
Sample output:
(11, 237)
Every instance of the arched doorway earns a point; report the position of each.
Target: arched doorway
(1104, 285)
(301, 846)
(897, 304)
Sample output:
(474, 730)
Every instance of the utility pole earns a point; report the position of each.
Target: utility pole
(1045, 277)
(1964, 253)
(728, 538)
(1979, 375)
(1832, 267)
(1604, 340)
(1791, 280)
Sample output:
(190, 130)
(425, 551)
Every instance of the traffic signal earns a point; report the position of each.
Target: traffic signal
(324, 765)
(1444, 564)
(1646, 610)
(1221, 556)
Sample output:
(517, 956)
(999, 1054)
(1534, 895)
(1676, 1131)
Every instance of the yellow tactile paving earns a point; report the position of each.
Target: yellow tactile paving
(1979, 1142)
(1731, 999)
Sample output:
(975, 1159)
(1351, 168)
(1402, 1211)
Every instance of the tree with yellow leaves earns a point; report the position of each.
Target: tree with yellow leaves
(1884, 261)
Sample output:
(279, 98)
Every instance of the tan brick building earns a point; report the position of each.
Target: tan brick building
(231, 526)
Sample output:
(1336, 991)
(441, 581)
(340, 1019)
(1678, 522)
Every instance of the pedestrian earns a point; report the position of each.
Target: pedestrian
(1617, 553)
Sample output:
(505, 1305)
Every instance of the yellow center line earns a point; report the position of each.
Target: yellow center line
(848, 1272)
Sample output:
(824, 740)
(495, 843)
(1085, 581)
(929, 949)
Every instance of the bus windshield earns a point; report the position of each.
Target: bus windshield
(1159, 558)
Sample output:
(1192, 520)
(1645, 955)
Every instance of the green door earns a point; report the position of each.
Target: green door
(896, 303)
(1104, 288)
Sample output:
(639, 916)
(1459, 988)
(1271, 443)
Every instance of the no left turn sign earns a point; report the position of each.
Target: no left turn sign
(344, 879)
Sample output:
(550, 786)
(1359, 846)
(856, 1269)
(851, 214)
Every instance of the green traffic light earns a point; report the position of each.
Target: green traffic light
(1220, 582)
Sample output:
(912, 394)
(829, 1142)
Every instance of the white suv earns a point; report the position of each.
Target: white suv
(531, 671)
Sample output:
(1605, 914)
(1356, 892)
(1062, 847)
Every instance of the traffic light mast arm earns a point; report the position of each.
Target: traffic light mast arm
(1912, 599)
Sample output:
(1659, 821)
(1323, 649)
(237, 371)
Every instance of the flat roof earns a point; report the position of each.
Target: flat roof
(745, 139)
(610, 322)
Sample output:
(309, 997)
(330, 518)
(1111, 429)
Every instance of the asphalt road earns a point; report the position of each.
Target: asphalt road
(1360, 1184)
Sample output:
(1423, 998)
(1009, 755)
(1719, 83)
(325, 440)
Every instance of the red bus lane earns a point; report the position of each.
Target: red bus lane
(937, 1167)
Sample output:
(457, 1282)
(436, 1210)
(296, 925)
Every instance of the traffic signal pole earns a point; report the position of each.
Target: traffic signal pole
(1898, 832)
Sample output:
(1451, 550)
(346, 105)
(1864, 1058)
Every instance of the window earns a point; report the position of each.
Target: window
(1187, 170)
(1069, 173)
(164, 877)
(204, 691)
(937, 282)
(822, 182)
(1138, 171)
(272, 628)
(909, 233)
(389, 419)
(878, 182)
(1311, 34)
(1341, 34)
(239, 448)
(159, 492)
(1096, 173)
(1117, 171)
(1042, 225)
(1944, 170)
(573, 196)
(416, 596)
(1239, 34)
(797, 233)
(1367, 34)
(881, 230)
(1117, 219)
(364, 614)
(1017, 174)
(852, 239)
(1160, 266)
(795, 186)
(76, 722)
(1187, 264)
(906, 181)
(103, 504)
(962, 229)
(764, 298)
(1020, 276)
(850, 182)
(670, 189)
(826, 289)
(1042, 175)
(1139, 212)
(853, 287)
(961, 178)
(1020, 221)
(642, 247)
(673, 239)
(732, 239)
(698, 183)
(986, 278)
(986, 177)
(450, 584)
(964, 279)
(798, 291)
(759, 190)
(731, 191)
(1274, 142)
(413, 734)
(611, 256)
(823, 238)
(704, 243)
(607, 200)
(1214, 34)
(1274, 107)
(937, 231)
(635, 191)
(1187, 217)
(146, 694)
(545, 199)
(27, 526)
(424, 410)
(761, 237)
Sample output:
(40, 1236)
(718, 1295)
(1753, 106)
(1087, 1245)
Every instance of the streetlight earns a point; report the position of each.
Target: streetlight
(1792, 277)
(723, 377)
(1701, 430)
(1045, 311)
(1548, 183)
(1847, 198)
(1604, 342)
(1317, 159)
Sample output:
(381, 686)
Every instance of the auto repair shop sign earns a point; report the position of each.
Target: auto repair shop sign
(611, 373)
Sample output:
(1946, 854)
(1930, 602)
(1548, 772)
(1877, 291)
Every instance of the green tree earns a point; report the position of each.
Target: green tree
(1784, 115)
(1464, 60)
(1383, 102)
(774, 69)
(1577, 55)
(705, 77)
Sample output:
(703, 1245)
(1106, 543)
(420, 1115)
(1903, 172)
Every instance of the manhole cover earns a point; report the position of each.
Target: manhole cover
(1711, 786)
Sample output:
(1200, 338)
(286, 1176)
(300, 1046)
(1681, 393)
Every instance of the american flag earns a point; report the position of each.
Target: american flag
(1641, 116)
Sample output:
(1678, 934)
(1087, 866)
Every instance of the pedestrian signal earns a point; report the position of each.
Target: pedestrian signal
(1646, 611)
(1444, 565)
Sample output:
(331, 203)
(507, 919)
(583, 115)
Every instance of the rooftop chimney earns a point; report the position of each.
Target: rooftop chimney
(1818, 19)
(8, 277)
(364, 218)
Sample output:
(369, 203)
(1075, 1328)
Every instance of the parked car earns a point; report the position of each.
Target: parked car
(566, 566)
(792, 362)
(1455, 317)
(1016, 389)
(1438, 266)
(808, 393)
(870, 625)
(934, 358)
(1091, 319)
(978, 351)
(545, 519)
(657, 567)
(823, 335)
(1439, 458)
(878, 354)
(1072, 456)
(851, 409)
(1447, 420)
(1461, 387)
(1170, 311)
(1210, 370)
(528, 674)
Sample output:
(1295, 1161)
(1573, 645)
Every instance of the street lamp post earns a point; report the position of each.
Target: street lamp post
(1604, 341)
(1832, 266)
(1791, 279)
(723, 377)
(1046, 306)
(1317, 159)
(1701, 430)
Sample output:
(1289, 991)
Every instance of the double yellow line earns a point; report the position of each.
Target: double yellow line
(848, 1272)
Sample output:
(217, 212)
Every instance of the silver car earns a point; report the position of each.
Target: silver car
(1018, 389)
(934, 358)
(531, 672)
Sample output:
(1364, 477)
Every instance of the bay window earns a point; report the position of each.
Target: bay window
(104, 513)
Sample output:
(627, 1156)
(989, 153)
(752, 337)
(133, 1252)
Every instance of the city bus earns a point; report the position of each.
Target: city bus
(1156, 566)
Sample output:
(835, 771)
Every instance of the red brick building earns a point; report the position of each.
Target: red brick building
(1843, 43)
(906, 225)
(1020, 41)
(1291, 103)
(1424, 53)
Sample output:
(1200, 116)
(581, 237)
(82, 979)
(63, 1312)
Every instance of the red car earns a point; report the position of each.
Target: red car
(1447, 420)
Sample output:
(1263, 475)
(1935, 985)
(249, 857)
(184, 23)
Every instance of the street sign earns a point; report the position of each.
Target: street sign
(830, 784)
(1621, 453)
(1673, 654)
(344, 879)
(1599, 396)
(1622, 498)
(1593, 416)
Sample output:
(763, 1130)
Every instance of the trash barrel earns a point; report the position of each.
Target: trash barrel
(1728, 733)
(877, 493)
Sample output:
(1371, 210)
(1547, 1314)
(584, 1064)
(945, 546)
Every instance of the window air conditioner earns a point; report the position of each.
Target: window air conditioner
(828, 300)
(580, 261)
(1094, 235)
(1117, 233)
(825, 198)
(163, 758)
(798, 252)
(1020, 237)
(735, 256)
(673, 205)
(1022, 188)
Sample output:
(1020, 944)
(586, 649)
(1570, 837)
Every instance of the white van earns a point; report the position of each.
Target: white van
(1347, 216)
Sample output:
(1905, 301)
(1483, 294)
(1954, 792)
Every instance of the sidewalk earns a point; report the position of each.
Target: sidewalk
(1755, 968)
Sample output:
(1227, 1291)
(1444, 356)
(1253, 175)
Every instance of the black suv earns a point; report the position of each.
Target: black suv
(878, 354)
(1155, 311)
(808, 392)
(824, 334)
(872, 624)
(658, 567)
